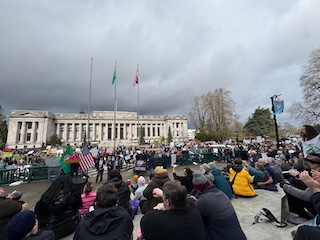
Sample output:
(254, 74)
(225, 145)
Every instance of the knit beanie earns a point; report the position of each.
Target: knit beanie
(212, 165)
(141, 181)
(20, 225)
(200, 182)
(135, 178)
(205, 167)
(210, 177)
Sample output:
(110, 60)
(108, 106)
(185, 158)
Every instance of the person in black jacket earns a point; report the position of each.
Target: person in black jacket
(311, 232)
(185, 180)
(108, 220)
(179, 219)
(123, 190)
(58, 207)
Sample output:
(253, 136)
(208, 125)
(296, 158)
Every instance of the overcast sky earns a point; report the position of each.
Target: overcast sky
(184, 49)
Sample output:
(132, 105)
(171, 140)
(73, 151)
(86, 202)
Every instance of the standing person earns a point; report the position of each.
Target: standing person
(164, 159)
(88, 197)
(311, 139)
(185, 180)
(216, 210)
(108, 220)
(100, 168)
(24, 225)
(151, 162)
(175, 208)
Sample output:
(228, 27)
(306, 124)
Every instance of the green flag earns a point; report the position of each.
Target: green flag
(114, 77)
(65, 166)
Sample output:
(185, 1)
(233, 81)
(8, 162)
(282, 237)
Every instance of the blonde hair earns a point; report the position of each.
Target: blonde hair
(160, 171)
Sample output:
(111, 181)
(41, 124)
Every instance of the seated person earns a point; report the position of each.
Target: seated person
(58, 207)
(219, 180)
(262, 179)
(123, 190)
(88, 197)
(186, 179)
(175, 207)
(311, 232)
(108, 220)
(24, 225)
(139, 192)
(299, 199)
(242, 179)
(160, 176)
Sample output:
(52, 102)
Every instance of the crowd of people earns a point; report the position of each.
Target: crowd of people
(194, 205)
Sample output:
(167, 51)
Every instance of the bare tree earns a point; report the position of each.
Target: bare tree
(198, 113)
(214, 113)
(308, 110)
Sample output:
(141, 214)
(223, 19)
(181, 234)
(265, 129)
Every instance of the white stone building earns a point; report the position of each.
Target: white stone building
(31, 129)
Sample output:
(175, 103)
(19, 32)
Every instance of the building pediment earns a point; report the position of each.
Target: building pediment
(28, 114)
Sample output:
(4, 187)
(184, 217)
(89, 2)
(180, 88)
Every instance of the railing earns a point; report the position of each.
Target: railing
(187, 159)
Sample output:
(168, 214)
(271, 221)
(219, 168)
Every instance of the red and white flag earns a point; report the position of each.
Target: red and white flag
(136, 79)
(87, 160)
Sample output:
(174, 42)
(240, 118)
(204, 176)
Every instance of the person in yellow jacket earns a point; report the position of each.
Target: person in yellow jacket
(241, 180)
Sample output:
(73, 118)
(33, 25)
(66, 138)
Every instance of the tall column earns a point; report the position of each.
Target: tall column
(58, 130)
(80, 132)
(65, 132)
(73, 132)
(33, 132)
(113, 136)
(23, 133)
(100, 132)
(118, 130)
(93, 131)
(130, 131)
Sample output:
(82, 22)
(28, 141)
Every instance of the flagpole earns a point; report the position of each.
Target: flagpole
(89, 104)
(274, 117)
(138, 113)
(115, 108)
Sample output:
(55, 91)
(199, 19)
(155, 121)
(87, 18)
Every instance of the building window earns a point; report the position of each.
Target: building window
(29, 125)
(28, 137)
(37, 125)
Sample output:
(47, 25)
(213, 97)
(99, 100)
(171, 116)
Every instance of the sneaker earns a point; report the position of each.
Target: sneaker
(296, 220)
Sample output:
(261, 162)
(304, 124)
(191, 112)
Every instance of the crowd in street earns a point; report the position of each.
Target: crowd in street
(195, 205)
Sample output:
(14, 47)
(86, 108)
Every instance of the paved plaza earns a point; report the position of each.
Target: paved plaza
(246, 208)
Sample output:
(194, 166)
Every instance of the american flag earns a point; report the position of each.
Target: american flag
(87, 160)
(136, 79)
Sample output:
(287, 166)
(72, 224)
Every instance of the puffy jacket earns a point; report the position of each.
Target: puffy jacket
(221, 182)
(242, 183)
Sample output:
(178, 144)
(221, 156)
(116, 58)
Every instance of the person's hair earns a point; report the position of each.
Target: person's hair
(107, 196)
(311, 132)
(189, 172)
(176, 194)
(88, 188)
(238, 161)
(260, 166)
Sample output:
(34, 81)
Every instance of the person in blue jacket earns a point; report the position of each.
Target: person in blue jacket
(219, 180)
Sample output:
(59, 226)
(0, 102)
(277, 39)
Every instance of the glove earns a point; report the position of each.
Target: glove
(282, 183)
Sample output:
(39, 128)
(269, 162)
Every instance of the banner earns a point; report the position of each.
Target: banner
(278, 106)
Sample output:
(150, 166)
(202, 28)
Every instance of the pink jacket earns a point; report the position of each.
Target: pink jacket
(87, 202)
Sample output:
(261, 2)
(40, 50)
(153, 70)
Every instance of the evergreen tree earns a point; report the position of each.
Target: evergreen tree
(260, 123)
(3, 129)
(169, 139)
(141, 137)
(54, 140)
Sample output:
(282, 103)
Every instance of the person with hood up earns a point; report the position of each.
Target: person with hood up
(219, 180)
(123, 190)
(241, 179)
(108, 220)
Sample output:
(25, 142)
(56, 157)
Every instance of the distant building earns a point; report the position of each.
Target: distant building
(31, 129)
(191, 134)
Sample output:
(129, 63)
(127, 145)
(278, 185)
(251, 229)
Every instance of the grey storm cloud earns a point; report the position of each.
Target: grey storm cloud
(184, 49)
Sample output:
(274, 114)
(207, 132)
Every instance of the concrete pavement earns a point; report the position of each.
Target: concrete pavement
(246, 208)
